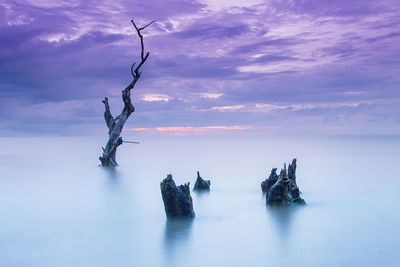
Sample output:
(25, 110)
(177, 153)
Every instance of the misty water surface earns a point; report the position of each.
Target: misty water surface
(59, 209)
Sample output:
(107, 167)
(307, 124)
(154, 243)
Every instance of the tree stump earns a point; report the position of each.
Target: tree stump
(177, 200)
(282, 190)
(201, 184)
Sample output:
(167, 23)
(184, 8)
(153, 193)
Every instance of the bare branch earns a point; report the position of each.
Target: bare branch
(133, 65)
(108, 117)
(144, 27)
(138, 30)
(136, 73)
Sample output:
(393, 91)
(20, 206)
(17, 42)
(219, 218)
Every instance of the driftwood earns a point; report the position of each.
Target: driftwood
(115, 125)
(177, 200)
(201, 184)
(282, 190)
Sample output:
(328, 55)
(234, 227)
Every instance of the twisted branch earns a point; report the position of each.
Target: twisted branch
(115, 125)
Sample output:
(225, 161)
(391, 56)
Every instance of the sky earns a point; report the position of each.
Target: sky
(215, 66)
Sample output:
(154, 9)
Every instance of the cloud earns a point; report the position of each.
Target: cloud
(335, 8)
(155, 97)
(228, 108)
(304, 63)
(210, 31)
(211, 95)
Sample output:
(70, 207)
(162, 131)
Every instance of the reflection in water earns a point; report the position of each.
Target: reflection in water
(264, 196)
(112, 174)
(283, 218)
(201, 193)
(177, 236)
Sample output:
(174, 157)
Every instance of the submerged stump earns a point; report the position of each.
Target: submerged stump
(201, 184)
(177, 200)
(270, 181)
(282, 190)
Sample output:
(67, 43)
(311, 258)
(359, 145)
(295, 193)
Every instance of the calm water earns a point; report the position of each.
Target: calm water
(59, 209)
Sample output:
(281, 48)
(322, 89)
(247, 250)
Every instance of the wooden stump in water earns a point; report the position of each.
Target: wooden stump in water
(201, 184)
(282, 190)
(177, 200)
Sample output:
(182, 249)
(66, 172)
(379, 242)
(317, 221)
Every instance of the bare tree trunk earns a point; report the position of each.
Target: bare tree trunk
(115, 125)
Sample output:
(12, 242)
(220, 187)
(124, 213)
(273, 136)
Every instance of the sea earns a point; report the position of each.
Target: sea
(58, 208)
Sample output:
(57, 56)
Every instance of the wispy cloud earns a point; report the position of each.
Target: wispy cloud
(155, 97)
(312, 63)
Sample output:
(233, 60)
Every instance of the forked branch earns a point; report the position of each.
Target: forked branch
(136, 71)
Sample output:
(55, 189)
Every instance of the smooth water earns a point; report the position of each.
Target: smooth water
(59, 209)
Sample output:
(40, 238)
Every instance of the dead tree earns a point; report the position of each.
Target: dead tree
(115, 125)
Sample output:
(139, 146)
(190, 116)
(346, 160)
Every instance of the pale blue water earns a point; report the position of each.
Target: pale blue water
(59, 209)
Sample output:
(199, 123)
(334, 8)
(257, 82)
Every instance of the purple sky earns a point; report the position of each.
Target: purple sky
(215, 66)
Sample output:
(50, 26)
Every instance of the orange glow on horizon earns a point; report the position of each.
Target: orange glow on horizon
(192, 130)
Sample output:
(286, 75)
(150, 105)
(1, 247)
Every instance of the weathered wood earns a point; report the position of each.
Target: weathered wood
(131, 142)
(201, 184)
(177, 200)
(282, 190)
(115, 125)
(270, 181)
